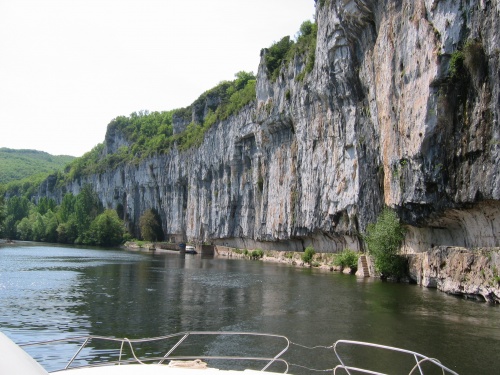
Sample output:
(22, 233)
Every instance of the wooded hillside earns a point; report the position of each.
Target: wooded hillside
(19, 164)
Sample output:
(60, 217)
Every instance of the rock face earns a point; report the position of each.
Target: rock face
(459, 271)
(391, 114)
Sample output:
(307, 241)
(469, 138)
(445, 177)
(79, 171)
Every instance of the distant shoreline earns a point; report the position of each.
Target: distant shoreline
(321, 261)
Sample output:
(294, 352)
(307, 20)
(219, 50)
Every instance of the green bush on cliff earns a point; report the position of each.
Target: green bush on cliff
(456, 64)
(231, 97)
(283, 52)
(470, 60)
(384, 239)
(149, 133)
(276, 55)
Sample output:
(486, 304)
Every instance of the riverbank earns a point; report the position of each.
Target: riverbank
(321, 261)
(469, 273)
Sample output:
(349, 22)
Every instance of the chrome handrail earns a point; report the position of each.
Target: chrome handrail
(419, 358)
(182, 337)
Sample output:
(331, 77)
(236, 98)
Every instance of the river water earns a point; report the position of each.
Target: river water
(51, 292)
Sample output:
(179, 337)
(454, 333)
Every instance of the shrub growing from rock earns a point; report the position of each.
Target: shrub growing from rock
(384, 239)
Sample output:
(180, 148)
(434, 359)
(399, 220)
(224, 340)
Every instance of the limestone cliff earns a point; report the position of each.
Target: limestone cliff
(400, 109)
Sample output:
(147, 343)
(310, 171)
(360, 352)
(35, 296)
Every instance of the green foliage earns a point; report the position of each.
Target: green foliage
(84, 165)
(150, 226)
(37, 227)
(323, 2)
(475, 60)
(2, 213)
(148, 133)
(308, 254)
(26, 187)
(87, 207)
(9, 227)
(19, 164)
(34, 226)
(67, 232)
(283, 52)
(50, 223)
(43, 227)
(456, 64)
(77, 220)
(67, 207)
(231, 97)
(384, 239)
(24, 231)
(46, 204)
(307, 28)
(306, 43)
(471, 59)
(18, 207)
(151, 133)
(276, 55)
(15, 209)
(106, 229)
(347, 259)
(257, 254)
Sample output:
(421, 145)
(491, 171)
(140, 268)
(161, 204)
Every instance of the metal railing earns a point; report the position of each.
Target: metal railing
(123, 343)
(126, 346)
(418, 358)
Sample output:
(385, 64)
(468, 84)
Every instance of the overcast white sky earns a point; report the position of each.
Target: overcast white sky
(68, 67)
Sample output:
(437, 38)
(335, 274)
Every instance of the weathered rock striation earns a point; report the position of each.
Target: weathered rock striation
(391, 114)
(465, 272)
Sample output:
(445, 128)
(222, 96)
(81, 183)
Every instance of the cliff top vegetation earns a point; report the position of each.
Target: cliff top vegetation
(283, 52)
(148, 133)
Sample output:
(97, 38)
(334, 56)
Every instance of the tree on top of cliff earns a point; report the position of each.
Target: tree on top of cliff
(275, 56)
(147, 133)
(281, 53)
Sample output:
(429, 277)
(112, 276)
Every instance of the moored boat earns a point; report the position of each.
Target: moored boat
(190, 250)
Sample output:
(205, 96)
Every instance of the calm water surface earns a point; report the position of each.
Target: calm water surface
(52, 292)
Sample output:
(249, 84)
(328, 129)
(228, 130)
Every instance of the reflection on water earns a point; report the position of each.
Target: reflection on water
(49, 292)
